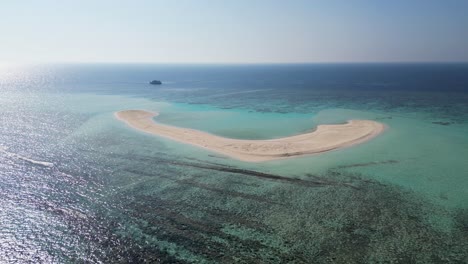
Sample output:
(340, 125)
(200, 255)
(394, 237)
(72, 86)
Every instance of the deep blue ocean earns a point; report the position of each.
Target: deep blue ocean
(78, 186)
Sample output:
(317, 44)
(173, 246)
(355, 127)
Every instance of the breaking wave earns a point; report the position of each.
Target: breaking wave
(17, 156)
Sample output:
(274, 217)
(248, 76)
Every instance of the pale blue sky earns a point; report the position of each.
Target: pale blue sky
(250, 31)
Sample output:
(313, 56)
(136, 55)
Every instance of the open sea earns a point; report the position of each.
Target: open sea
(79, 186)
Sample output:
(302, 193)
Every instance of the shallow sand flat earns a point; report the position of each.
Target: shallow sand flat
(324, 138)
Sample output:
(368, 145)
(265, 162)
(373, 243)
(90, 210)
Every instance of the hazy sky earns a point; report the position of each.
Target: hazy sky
(237, 31)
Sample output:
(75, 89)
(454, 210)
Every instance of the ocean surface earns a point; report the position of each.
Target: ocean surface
(78, 186)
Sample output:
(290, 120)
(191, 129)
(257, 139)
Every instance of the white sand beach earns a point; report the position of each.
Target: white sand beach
(324, 138)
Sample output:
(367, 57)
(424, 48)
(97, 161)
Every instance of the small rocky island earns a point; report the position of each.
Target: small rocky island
(156, 82)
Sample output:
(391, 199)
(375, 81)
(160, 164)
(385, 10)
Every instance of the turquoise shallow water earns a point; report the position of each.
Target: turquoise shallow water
(413, 152)
(80, 186)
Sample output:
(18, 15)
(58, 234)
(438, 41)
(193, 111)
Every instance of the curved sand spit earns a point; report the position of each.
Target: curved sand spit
(324, 138)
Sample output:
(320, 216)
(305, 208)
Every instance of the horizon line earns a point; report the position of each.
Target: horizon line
(228, 63)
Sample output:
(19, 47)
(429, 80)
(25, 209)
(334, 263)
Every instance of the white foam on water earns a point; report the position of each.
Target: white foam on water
(36, 162)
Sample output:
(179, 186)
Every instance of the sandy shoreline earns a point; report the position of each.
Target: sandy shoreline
(324, 138)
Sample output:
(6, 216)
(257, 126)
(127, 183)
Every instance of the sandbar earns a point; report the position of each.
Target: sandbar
(324, 138)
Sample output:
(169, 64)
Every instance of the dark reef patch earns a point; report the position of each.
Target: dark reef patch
(370, 223)
(442, 123)
(367, 164)
(194, 211)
